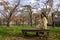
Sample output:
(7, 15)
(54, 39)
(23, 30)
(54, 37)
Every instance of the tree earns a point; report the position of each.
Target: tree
(10, 11)
(29, 8)
(58, 6)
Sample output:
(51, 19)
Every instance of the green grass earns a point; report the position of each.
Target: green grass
(13, 30)
(55, 29)
(16, 31)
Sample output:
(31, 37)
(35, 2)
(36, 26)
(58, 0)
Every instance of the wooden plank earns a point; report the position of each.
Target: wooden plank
(34, 29)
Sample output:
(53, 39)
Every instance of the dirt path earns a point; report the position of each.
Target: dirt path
(24, 38)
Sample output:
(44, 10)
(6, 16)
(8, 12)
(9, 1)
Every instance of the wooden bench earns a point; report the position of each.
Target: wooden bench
(37, 30)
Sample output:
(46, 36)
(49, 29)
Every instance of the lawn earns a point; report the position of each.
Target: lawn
(6, 33)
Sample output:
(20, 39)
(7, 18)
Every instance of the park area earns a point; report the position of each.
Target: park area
(15, 33)
(39, 19)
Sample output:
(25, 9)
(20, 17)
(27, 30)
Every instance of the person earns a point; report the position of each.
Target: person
(44, 20)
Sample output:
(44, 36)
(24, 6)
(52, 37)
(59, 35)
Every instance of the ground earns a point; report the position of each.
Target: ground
(14, 33)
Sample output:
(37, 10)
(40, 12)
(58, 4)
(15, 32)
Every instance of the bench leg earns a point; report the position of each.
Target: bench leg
(24, 33)
(47, 38)
(37, 34)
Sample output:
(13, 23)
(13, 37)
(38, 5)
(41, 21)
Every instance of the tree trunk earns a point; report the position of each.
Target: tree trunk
(30, 17)
(35, 21)
(0, 22)
(53, 24)
(8, 23)
(20, 21)
(28, 20)
(16, 22)
(23, 21)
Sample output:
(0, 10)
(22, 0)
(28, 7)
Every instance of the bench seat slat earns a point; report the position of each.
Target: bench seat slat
(34, 29)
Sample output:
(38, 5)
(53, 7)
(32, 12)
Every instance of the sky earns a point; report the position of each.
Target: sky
(33, 3)
(24, 2)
